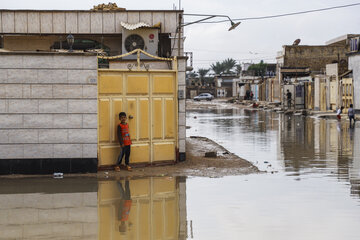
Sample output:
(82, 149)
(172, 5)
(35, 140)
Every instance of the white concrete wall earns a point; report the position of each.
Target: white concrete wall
(354, 64)
(48, 106)
(49, 216)
(182, 108)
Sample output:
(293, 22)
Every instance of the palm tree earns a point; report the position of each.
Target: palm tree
(238, 69)
(202, 73)
(229, 64)
(218, 68)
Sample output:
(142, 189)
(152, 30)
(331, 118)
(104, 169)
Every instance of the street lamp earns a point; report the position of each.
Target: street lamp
(207, 16)
(232, 27)
(70, 41)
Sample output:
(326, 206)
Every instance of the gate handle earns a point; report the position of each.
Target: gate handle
(131, 117)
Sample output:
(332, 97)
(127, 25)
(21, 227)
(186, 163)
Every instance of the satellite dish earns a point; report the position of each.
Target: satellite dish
(296, 42)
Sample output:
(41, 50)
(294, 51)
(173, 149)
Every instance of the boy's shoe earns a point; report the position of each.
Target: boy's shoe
(128, 168)
(117, 169)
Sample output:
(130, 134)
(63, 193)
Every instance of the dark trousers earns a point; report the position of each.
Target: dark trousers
(124, 151)
(352, 117)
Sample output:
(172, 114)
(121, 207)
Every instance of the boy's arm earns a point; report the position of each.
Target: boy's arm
(120, 136)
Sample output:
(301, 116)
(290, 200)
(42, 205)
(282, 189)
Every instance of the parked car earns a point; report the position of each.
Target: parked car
(204, 96)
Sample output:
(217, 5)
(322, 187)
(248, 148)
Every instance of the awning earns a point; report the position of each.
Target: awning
(345, 73)
(133, 26)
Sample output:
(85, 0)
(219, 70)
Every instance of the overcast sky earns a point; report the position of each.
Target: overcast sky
(252, 40)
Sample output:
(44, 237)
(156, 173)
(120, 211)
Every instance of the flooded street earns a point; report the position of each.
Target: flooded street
(310, 189)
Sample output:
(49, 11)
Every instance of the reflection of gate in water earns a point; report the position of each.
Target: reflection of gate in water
(154, 211)
(149, 98)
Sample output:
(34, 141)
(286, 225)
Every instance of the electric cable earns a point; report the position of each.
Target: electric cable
(286, 14)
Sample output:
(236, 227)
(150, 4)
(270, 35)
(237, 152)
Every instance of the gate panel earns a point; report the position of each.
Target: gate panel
(144, 119)
(104, 120)
(111, 83)
(117, 107)
(157, 121)
(137, 84)
(163, 84)
(132, 112)
(164, 151)
(140, 153)
(169, 118)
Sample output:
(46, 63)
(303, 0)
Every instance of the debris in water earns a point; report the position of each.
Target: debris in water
(266, 162)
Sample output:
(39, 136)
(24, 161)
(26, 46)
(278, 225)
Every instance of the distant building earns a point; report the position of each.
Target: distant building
(298, 64)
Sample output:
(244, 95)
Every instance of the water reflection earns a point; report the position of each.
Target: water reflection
(149, 211)
(144, 208)
(295, 145)
(48, 209)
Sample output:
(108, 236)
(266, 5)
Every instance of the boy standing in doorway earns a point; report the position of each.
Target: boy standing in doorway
(124, 141)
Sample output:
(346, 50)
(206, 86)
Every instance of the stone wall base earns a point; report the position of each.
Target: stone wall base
(48, 166)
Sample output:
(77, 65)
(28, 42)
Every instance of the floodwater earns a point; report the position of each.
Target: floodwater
(310, 189)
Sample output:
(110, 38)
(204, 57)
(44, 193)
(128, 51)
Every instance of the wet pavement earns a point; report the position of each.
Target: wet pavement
(310, 189)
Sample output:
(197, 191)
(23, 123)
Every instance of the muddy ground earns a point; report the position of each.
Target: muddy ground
(196, 164)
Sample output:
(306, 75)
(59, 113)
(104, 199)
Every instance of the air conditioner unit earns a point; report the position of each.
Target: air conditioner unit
(146, 39)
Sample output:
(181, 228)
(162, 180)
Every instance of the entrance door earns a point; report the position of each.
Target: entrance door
(150, 102)
(333, 93)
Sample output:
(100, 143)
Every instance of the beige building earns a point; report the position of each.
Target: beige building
(49, 96)
(297, 64)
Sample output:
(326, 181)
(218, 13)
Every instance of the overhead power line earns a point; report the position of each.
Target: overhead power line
(287, 14)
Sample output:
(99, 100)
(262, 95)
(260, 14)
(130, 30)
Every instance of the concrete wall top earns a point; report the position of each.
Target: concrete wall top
(81, 21)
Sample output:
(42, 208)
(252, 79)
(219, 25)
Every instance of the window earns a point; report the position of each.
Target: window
(354, 44)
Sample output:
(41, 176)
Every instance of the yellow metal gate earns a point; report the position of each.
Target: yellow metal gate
(149, 98)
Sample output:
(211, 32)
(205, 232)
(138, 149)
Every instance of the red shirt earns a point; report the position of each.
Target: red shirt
(125, 134)
(126, 210)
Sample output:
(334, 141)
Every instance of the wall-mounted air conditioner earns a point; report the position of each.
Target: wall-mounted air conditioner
(146, 39)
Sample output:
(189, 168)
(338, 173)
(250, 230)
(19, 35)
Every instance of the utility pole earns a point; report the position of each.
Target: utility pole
(179, 39)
